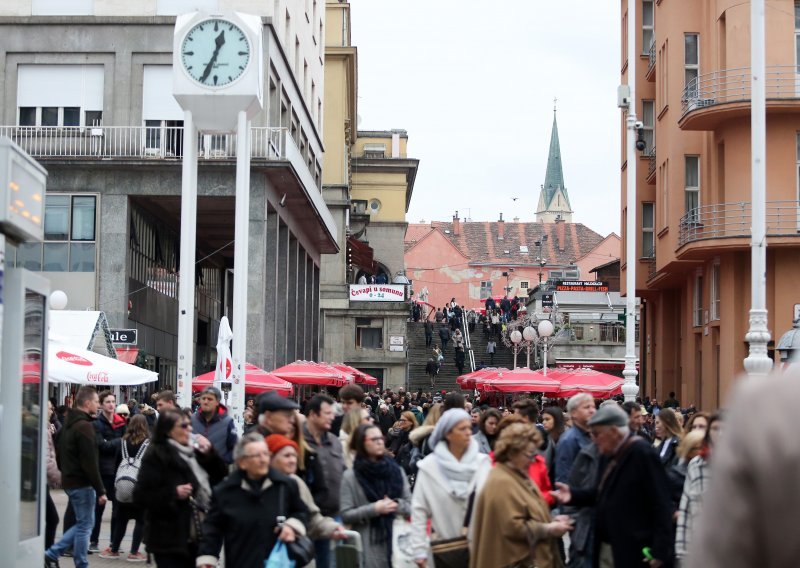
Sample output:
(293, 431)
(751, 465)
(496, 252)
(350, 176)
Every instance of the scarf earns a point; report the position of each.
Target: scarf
(202, 491)
(458, 474)
(379, 479)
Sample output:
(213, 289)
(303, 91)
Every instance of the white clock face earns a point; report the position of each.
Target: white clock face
(215, 53)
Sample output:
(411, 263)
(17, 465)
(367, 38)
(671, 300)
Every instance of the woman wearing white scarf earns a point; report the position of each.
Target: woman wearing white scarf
(445, 480)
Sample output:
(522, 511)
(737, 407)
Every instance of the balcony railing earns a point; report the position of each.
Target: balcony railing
(138, 142)
(651, 57)
(727, 220)
(651, 162)
(733, 85)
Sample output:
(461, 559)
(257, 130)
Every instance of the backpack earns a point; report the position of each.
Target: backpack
(128, 472)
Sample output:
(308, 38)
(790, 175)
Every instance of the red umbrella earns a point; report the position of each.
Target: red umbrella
(470, 380)
(311, 373)
(361, 377)
(255, 381)
(599, 385)
(522, 379)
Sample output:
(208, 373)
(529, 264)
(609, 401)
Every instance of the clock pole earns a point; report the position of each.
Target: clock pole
(240, 264)
(187, 267)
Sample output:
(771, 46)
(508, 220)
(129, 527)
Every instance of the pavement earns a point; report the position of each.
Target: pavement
(60, 499)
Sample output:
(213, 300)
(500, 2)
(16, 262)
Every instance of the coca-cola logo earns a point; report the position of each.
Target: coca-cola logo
(74, 359)
(97, 377)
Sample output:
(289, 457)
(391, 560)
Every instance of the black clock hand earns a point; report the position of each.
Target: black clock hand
(219, 41)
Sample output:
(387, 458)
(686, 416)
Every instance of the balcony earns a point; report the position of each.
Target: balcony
(138, 143)
(733, 221)
(651, 63)
(721, 95)
(651, 166)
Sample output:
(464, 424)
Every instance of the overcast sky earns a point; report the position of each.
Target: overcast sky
(473, 83)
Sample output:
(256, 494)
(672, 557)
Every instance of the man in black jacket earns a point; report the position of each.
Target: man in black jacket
(245, 508)
(109, 429)
(80, 477)
(444, 335)
(633, 510)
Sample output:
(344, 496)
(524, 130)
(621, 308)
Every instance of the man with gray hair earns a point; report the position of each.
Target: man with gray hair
(580, 408)
(633, 511)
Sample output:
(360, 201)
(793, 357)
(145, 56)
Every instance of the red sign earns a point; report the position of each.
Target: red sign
(74, 359)
(581, 286)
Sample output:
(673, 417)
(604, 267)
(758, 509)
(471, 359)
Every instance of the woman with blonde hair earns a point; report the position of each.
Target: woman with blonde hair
(351, 421)
(669, 434)
(510, 512)
(295, 434)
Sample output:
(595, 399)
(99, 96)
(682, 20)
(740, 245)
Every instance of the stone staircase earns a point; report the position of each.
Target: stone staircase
(418, 356)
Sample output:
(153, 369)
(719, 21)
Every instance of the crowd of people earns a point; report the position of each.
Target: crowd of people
(419, 475)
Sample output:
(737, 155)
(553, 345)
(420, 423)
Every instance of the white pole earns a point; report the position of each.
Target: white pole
(629, 388)
(544, 351)
(240, 262)
(186, 280)
(757, 362)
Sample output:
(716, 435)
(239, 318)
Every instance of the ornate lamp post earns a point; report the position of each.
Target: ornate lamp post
(545, 331)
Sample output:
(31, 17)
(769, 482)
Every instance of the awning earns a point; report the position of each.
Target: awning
(361, 255)
(127, 354)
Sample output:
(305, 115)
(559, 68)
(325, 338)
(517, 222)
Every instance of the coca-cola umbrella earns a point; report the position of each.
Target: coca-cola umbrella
(521, 379)
(599, 385)
(256, 381)
(67, 364)
(361, 378)
(311, 373)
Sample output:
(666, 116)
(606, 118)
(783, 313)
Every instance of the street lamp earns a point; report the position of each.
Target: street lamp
(545, 330)
(541, 260)
(529, 335)
(516, 339)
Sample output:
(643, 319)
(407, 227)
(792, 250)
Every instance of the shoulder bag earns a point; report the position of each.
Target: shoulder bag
(301, 551)
(454, 552)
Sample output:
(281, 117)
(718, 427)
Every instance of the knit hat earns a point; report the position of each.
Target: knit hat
(276, 442)
(123, 409)
(446, 423)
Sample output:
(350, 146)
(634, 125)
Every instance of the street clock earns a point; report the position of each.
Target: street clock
(215, 53)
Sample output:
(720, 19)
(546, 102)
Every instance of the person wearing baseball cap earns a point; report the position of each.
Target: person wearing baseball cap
(275, 414)
(212, 421)
(633, 510)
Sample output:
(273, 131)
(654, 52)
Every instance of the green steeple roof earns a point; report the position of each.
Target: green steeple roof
(554, 177)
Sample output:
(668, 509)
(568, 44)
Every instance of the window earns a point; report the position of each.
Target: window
(523, 285)
(486, 289)
(665, 194)
(648, 230)
(648, 19)
(649, 120)
(369, 337)
(663, 71)
(78, 100)
(624, 39)
(565, 274)
(691, 63)
(715, 291)
(692, 187)
(697, 305)
(70, 224)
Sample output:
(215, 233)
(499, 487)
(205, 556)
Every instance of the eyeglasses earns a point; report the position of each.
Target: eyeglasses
(258, 455)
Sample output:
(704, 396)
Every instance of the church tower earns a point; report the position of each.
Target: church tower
(553, 199)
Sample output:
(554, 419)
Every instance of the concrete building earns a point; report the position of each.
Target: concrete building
(86, 89)
(693, 191)
(367, 183)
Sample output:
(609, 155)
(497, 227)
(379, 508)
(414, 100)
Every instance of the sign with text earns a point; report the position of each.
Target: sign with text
(126, 336)
(377, 293)
(581, 286)
(547, 300)
(396, 340)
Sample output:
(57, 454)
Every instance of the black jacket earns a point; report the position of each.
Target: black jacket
(633, 509)
(244, 519)
(670, 457)
(167, 519)
(444, 334)
(77, 453)
(109, 437)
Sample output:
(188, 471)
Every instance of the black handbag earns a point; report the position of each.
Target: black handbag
(454, 552)
(301, 551)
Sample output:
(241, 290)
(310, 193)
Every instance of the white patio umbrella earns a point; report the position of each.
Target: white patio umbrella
(67, 364)
(222, 373)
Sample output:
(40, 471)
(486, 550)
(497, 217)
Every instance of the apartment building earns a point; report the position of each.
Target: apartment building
(367, 183)
(87, 90)
(693, 188)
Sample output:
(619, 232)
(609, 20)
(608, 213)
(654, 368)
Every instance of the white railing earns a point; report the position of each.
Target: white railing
(727, 220)
(139, 142)
(733, 85)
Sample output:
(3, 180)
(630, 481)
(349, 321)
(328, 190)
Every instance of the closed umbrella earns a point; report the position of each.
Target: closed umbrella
(222, 373)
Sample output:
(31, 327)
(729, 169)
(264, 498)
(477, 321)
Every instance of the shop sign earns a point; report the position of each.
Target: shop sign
(377, 293)
(581, 286)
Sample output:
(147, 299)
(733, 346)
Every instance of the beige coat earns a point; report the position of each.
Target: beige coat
(752, 508)
(510, 515)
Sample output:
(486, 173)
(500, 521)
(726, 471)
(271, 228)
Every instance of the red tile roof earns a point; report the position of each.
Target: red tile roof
(478, 241)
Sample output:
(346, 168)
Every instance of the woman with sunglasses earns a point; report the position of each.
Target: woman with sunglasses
(174, 489)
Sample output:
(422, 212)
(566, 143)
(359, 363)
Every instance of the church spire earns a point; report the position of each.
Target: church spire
(553, 200)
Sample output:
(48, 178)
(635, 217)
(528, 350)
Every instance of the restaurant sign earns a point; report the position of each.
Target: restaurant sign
(581, 286)
(377, 293)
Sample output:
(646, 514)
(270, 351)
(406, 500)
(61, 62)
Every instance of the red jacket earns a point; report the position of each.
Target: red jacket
(537, 471)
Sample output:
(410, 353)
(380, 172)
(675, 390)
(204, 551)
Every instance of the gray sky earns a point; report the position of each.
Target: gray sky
(473, 84)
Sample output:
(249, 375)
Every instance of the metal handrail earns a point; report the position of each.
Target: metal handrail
(651, 162)
(726, 220)
(139, 142)
(651, 56)
(733, 85)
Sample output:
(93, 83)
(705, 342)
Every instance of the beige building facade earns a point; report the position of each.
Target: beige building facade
(693, 188)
